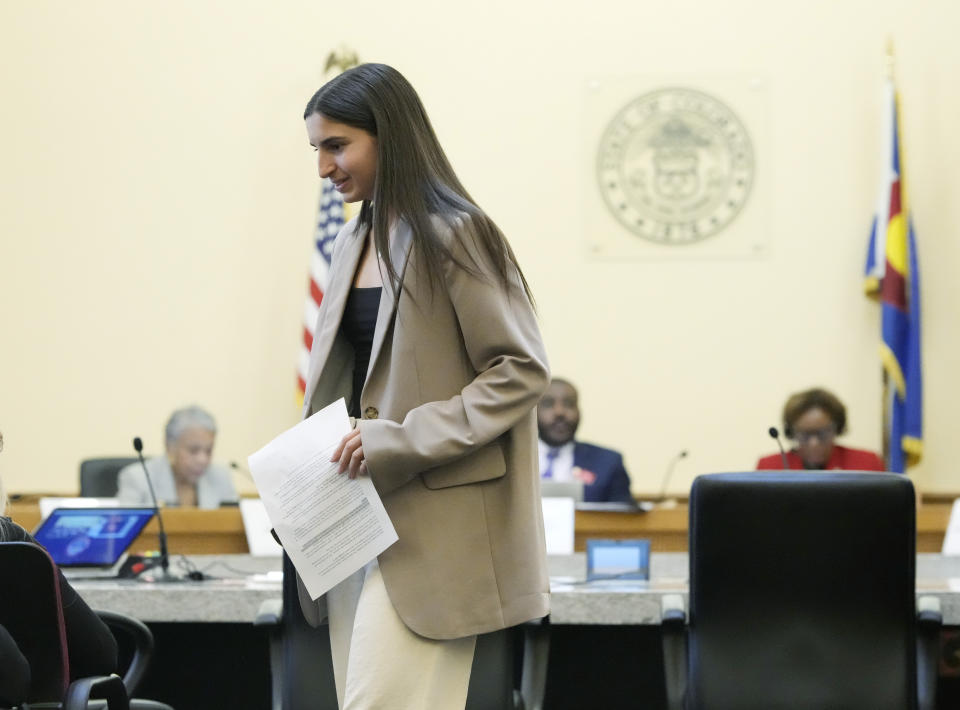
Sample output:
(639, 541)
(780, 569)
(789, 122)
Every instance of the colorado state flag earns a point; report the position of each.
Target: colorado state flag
(892, 277)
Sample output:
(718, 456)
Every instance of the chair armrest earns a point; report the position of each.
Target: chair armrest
(672, 609)
(928, 610)
(109, 688)
(270, 613)
(142, 646)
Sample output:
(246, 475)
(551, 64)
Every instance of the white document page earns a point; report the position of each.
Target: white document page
(330, 525)
(558, 518)
(951, 539)
(257, 526)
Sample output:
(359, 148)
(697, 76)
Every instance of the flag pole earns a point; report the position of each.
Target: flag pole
(341, 59)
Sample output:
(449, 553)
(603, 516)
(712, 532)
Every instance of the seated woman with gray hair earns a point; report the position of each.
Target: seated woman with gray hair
(184, 476)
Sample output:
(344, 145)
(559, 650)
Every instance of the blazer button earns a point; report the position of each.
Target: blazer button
(370, 413)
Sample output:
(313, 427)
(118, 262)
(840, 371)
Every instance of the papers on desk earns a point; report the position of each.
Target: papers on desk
(256, 526)
(951, 538)
(330, 525)
(274, 576)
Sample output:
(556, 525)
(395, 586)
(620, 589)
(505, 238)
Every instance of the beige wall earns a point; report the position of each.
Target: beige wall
(158, 197)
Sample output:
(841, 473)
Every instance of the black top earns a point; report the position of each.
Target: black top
(357, 326)
(14, 671)
(91, 648)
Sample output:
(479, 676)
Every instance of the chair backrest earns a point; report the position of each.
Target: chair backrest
(802, 591)
(98, 477)
(14, 672)
(31, 611)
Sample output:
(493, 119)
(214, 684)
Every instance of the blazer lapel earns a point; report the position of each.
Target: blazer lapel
(331, 311)
(399, 256)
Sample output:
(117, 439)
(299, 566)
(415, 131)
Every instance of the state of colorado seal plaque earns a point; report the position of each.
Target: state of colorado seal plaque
(675, 166)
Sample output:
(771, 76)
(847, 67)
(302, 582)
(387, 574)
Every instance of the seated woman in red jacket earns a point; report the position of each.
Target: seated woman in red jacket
(814, 418)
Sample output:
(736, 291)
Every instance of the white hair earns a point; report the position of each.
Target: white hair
(192, 417)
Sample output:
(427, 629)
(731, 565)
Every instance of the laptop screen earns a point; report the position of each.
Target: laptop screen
(550, 488)
(91, 537)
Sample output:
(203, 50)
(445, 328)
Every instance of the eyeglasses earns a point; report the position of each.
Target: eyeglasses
(824, 434)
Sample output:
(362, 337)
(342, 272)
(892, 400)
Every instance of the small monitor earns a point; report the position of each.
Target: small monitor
(618, 559)
(91, 537)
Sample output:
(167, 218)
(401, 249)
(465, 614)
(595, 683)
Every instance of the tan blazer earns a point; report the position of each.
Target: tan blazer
(449, 435)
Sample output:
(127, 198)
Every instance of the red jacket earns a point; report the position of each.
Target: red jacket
(840, 458)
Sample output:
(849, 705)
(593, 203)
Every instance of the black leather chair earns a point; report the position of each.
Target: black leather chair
(98, 477)
(141, 652)
(31, 611)
(302, 667)
(802, 595)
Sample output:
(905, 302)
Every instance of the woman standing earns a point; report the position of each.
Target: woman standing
(427, 329)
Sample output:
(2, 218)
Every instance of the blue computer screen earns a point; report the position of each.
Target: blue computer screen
(91, 536)
(623, 559)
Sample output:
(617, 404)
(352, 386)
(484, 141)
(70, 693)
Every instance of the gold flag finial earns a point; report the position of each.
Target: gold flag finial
(341, 60)
(889, 59)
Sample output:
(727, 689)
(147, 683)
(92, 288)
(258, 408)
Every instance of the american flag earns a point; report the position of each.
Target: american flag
(330, 219)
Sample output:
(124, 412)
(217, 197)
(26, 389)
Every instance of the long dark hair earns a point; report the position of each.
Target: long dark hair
(414, 181)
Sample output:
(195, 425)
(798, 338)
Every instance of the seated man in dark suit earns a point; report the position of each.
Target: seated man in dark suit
(563, 459)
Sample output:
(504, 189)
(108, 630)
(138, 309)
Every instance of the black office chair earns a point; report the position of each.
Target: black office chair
(98, 477)
(802, 595)
(141, 646)
(31, 611)
(302, 666)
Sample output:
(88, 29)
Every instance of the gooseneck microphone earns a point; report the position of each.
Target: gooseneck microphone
(666, 477)
(775, 435)
(164, 554)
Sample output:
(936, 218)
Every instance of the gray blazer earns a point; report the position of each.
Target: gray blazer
(449, 435)
(214, 487)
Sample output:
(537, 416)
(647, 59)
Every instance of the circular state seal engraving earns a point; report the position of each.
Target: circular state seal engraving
(675, 166)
